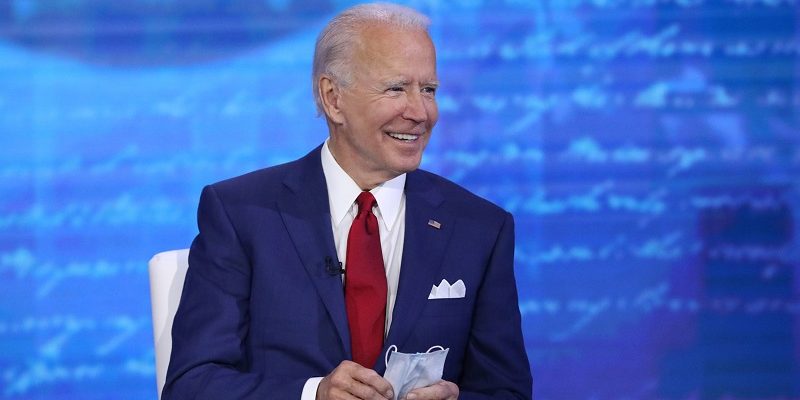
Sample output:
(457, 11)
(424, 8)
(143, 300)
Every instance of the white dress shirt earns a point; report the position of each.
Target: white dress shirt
(391, 215)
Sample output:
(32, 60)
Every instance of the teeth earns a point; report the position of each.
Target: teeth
(402, 136)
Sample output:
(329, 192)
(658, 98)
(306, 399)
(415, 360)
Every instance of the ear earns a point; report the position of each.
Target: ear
(329, 92)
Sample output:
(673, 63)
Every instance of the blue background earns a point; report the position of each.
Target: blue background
(649, 150)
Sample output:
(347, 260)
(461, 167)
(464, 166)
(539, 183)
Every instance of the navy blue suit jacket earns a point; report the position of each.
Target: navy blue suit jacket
(260, 313)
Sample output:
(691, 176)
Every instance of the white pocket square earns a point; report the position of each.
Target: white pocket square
(447, 291)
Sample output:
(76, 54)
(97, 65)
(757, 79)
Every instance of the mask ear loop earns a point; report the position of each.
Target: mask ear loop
(386, 356)
(429, 350)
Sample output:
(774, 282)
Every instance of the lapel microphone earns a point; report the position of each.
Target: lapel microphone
(331, 269)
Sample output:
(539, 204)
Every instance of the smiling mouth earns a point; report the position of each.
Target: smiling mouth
(403, 137)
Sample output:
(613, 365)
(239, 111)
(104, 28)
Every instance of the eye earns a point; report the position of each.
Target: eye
(429, 90)
(395, 89)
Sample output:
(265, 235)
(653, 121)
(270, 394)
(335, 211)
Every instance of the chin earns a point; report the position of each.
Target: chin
(404, 164)
(407, 167)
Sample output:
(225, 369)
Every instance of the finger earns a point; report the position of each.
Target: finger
(333, 388)
(361, 382)
(376, 382)
(341, 384)
(338, 394)
(442, 390)
(365, 392)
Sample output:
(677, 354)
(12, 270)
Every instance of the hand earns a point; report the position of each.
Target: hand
(352, 381)
(442, 390)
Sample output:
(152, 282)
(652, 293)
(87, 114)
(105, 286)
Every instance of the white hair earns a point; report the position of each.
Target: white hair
(333, 52)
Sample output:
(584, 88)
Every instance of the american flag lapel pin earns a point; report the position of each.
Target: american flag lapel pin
(435, 224)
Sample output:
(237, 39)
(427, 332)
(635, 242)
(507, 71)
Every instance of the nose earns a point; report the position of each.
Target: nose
(415, 108)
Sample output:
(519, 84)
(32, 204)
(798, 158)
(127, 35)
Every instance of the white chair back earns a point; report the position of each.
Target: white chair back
(167, 272)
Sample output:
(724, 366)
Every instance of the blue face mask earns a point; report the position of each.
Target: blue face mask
(407, 372)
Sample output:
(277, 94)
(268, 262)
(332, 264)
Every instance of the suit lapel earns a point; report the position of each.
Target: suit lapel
(306, 213)
(423, 249)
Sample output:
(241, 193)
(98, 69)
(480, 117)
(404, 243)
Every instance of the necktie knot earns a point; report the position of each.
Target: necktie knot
(365, 202)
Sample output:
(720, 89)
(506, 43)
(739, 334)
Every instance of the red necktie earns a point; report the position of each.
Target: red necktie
(365, 284)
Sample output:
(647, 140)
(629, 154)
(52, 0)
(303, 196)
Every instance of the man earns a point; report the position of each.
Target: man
(265, 312)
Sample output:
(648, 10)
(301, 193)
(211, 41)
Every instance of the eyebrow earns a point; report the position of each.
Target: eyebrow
(406, 82)
(396, 82)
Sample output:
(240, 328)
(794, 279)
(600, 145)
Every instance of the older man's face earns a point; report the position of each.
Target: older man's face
(389, 109)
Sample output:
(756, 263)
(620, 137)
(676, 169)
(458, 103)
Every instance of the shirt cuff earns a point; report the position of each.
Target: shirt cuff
(310, 389)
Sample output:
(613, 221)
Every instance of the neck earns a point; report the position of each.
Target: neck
(365, 180)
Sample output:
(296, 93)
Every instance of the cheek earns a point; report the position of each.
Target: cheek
(433, 113)
(387, 112)
(398, 107)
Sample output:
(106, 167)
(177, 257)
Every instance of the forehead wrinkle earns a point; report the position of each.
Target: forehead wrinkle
(376, 60)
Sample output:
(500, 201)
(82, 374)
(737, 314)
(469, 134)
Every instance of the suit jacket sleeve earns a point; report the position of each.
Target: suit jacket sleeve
(208, 358)
(496, 365)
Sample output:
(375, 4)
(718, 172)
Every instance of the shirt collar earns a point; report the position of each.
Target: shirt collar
(343, 190)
